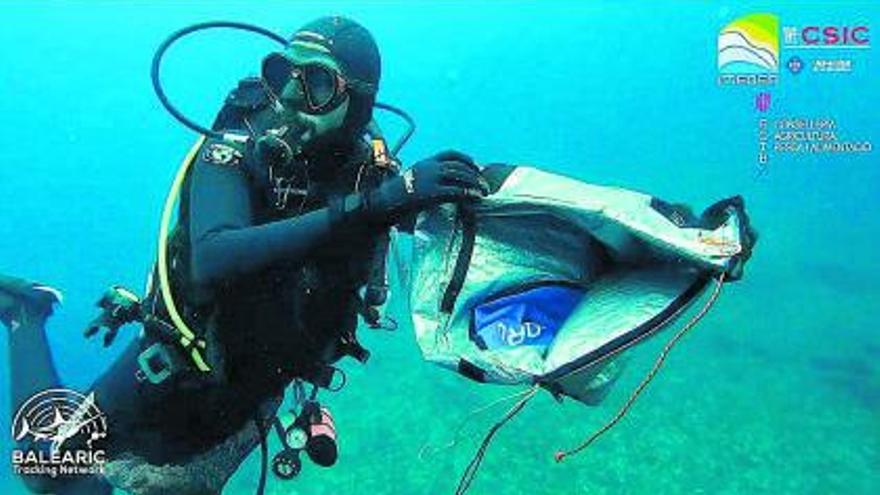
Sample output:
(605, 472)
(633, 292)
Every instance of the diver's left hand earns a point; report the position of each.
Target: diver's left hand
(447, 177)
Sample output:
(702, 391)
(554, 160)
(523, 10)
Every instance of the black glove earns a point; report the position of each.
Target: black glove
(120, 306)
(444, 178)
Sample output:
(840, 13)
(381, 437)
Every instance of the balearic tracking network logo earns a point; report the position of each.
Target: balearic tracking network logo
(69, 423)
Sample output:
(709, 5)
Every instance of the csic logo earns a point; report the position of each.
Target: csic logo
(748, 51)
(61, 429)
(816, 36)
(835, 47)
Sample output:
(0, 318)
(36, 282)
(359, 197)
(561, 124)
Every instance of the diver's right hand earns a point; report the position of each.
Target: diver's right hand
(444, 178)
(118, 307)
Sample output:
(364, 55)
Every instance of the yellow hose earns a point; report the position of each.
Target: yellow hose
(187, 336)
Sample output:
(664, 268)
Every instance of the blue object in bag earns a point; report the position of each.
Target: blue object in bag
(528, 318)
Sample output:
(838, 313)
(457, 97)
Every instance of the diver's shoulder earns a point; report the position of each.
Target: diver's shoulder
(222, 153)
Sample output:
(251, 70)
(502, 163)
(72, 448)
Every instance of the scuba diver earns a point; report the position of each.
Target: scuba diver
(279, 247)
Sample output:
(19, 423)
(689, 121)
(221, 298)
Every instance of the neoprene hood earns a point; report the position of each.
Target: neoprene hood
(355, 50)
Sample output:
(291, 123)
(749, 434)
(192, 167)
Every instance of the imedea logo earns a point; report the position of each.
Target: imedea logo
(748, 51)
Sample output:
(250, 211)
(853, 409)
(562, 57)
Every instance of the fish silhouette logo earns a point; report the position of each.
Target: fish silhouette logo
(57, 416)
(749, 46)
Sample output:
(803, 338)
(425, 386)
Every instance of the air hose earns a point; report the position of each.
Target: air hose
(264, 455)
(411, 126)
(171, 39)
(183, 119)
(188, 338)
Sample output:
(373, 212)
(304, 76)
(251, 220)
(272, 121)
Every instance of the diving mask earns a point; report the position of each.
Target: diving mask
(324, 88)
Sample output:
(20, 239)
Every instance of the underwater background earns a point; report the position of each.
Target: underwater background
(776, 391)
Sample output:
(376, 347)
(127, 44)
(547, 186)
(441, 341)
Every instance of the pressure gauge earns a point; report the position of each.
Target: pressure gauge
(296, 438)
(286, 464)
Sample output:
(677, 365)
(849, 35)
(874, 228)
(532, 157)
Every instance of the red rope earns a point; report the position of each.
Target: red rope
(562, 454)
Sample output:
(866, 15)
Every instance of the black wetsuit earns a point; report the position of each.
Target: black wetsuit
(276, 287)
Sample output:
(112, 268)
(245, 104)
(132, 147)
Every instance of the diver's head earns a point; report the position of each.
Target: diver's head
(325, 81)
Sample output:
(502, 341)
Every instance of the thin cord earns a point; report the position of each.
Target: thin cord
(464, 422)
(471, 471)
(560, 455)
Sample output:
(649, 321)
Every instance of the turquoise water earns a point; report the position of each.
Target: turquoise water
(777, 391)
